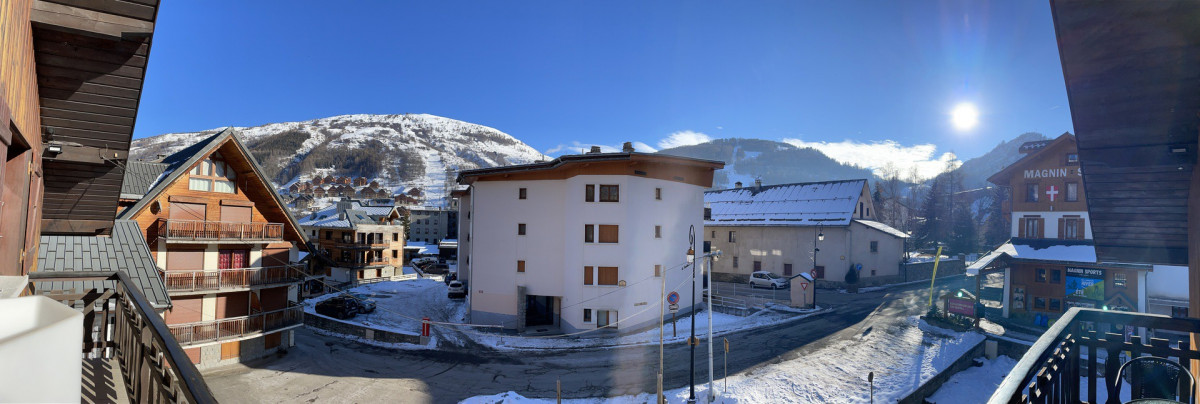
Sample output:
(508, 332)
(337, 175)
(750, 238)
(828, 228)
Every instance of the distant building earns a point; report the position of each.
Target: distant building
(580, 242)
(779, 229)
(360, 182)
(432, 224)
(357, 242)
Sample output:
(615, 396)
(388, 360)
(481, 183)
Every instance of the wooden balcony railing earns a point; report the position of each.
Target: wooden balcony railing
(363, 245)
(120, 324)
(236, 327)
(1064, 362)
(192, 281)
(201, 230)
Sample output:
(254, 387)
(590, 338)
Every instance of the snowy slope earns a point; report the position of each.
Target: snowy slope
(400, 151)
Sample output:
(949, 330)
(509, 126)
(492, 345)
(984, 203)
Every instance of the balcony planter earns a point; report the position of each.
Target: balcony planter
(39, 341)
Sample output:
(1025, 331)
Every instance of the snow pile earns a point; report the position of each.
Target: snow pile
(969, 385)
(400, 305)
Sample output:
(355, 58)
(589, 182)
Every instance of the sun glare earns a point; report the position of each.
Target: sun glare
(964, 116)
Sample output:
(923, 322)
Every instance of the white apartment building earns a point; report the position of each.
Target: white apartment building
(580, 242)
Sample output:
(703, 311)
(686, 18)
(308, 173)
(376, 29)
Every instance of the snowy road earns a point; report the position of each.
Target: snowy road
(328, 369)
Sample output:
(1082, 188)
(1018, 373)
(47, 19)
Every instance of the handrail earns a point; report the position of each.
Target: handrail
(232, 327)
(196, 390)
(200, 280)
(219, 230)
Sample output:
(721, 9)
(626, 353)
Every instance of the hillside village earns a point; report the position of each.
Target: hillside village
(411, 257)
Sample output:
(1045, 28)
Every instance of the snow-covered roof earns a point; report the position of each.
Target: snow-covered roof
(421, 247)
(1167, 282)
(883, 228)
(1052, 250)
(830, 203)
(355, 213)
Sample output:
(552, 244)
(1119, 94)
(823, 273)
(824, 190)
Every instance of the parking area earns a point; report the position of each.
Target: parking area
(744, 289)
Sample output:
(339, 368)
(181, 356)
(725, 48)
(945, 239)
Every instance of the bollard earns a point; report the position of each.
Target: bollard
(558, 391)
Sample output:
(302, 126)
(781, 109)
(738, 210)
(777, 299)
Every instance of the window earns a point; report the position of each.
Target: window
(1040, 276)
(872, 272)
(610, 193)
(874, 246)
(521, 266)
(1072, 192)
(1056, 276)
(589, 193)
(521, 193)
(589, 233)
(1055, 305)
(1119, 279)
(657, 270)
(607, 276)
(735, 264)
(328, 235)
(1072, 158)
(714, 235)
(1031, 192)
(658, 193)
(1033, 227)
(1071, 228)
(216, 177)
(608, 233)
(1039, 302)
(587, 276)
(787, 269)
(732, 236)
(200, 184)
(520, 229)
(757, 266)
(657, 231)
(587, 315)
(394, 254)
(395, 236)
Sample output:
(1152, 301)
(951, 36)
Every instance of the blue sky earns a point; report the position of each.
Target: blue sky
(859, 80)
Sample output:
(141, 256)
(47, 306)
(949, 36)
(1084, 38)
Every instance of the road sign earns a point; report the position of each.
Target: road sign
(673, 307)
(813, 273)
(803, 285)
(673, 298)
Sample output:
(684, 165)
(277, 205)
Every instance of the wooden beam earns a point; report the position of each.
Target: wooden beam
(71, 226)
(87, 22)
(84, 154)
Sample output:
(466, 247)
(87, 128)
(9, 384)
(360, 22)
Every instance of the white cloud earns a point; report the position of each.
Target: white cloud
(576, 147)
(876, 155)
(683, 138)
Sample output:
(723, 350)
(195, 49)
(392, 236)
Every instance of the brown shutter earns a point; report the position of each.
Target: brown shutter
(1021, 227)
(236, 214)
(520, 266)
(275, 256)
(274, 299)
(186, 211)
(185, 260)
(587, 275)
(1079, 224)
(608, 233)
(185, 310)
(1062, 228)
(1041, 229)
(608, 275)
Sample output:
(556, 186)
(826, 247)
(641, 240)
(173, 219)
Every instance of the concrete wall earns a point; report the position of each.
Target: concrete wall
(775, 246)
(248, 349)
(965, 361)
(555, 253)
(367, 333)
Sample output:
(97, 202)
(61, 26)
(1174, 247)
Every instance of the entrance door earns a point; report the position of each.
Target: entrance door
(605, 318)
(539, 310)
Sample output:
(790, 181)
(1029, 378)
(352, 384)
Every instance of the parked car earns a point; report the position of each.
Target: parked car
(436, 269)
(453, 276)
(767, 280)
(423, 261)
(365, 302)
(456, 290)
(339, 307)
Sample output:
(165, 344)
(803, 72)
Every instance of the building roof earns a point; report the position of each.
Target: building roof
(830, 203)
(469, 176)
(354, 214)
(125, 250)
(1132, 75)
(139, 177)
(1081, 252)
(882, 227)
(1001, 177)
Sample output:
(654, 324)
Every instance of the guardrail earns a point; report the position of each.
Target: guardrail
(236, 327)
(123, 325)
(175, 229)
(191, 281)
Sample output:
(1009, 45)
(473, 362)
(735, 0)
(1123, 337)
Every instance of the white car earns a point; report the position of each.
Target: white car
(767, 280)
(456, 290)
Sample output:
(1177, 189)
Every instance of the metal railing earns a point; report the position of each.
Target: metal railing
(175, 229)
(1065, 359)
(121, 324)
(237, 327)
(191, 281)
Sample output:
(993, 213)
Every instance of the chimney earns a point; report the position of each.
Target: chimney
(627, 147)
(595, 149)
(758, 183)
(737, 184)
(344, 205)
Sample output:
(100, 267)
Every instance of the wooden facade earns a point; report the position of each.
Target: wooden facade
(662, 167)
(20, 143)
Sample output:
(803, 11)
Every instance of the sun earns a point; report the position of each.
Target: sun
(964, 116)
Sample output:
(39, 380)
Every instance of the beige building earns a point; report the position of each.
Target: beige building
(823, 228)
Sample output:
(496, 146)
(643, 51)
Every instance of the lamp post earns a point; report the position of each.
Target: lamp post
(820, 237)
(691, 258)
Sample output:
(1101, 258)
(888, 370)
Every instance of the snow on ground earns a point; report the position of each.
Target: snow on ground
(400, 305)
(903, 356)
(966, 387)
(722, 324)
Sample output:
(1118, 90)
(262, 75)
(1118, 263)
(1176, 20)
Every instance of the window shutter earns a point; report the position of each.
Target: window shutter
(1041, 228)
(587, 275)
(1021, 227)
(1062, 228)
(1079, 224)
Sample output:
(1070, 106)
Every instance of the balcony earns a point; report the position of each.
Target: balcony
(191, 231)
(186, 282)
(229, 329)
(360, 245)
(128, 353)
(1063, 366)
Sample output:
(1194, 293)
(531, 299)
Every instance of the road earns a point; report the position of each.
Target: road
(326, 369)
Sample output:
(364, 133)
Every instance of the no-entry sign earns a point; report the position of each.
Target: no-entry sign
(673, 298)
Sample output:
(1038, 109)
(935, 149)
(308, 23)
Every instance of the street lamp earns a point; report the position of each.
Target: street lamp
(820, 237)
(691, 258)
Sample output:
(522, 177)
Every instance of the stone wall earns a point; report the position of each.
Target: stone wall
(359, 331)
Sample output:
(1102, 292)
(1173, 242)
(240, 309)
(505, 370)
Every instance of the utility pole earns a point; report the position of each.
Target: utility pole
(692, 341)
(712, 393)
(662, 301)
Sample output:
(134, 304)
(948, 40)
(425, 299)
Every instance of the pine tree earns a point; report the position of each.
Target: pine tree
(997, 228)
(964, 238)
(877, 199)
(930, 230)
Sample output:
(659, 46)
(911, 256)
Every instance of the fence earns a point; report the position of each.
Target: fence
(189, 281)
(174, 229)
(236, 327)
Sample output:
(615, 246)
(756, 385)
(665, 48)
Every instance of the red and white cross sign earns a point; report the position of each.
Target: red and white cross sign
(1052, 192)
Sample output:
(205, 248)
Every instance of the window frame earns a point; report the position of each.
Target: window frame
(613, 195)
(1039, 299)
(1039, 275)
(1120, 280)
(1032, 197)
(520, 266)
(615, 274)
(521, 229)
(522, 193)
(1056, 276)
(657, 231)
(589, 234)
(1067, 188)
(587, 316)
(658, 194)
(875, 246)
(732, 236)
(589, 192)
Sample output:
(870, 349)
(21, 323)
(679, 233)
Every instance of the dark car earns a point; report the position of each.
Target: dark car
(436, 269)
(365, 302)
(340, 307)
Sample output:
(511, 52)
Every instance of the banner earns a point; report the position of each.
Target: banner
(1085, 284)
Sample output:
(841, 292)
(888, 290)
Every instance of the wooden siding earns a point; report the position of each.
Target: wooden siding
(18, 82)
(1053, 158)
(20, 175)
(1025, 274)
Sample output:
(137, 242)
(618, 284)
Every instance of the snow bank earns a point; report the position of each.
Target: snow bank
(969, 385)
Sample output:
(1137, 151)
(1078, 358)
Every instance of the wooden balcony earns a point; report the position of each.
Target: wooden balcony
(228, 329)
(360, 245)
(128, 351)
(191, 231)
(185, 282)
(1064, 365)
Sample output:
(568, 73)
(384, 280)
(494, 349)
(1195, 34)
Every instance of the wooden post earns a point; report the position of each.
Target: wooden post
(558, 391)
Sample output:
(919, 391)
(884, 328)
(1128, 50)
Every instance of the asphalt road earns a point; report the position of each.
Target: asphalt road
(326, 369)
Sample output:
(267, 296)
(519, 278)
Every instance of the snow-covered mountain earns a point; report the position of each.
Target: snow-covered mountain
(399, 151)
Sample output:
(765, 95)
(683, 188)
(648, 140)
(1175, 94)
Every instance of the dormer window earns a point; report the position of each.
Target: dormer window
(212, 175)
